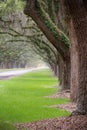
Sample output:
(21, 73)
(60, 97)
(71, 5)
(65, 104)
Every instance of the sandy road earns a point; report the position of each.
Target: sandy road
(9, 74)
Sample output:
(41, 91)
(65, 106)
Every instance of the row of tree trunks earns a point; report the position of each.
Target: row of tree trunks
(61, 69)
(78, 36)
(77, 13)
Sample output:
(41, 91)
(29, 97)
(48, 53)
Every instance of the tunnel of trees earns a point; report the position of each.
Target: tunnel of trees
(55, 31)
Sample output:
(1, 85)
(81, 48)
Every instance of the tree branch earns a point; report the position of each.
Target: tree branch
(59, 40)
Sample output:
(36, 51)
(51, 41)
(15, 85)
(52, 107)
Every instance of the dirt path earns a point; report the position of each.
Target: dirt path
(9, 74)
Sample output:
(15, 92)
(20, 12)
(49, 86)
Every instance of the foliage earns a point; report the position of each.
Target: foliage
(8, 6)
(25, 40)
(16, 47)
(15, 23)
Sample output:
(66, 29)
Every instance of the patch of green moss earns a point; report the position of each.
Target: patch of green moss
(52, 27)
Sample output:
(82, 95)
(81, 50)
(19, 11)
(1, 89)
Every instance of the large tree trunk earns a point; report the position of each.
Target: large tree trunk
(64, 74)
(78, 13)
(74, 63)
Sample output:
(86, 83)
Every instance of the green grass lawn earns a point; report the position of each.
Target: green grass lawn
(22, 98)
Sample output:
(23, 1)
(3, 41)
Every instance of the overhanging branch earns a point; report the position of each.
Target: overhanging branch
(59, 40)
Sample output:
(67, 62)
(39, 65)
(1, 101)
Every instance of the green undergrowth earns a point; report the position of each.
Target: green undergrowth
(22, 99)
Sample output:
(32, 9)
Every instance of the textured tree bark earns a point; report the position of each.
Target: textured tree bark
(78, 13)
(64, 74)
(74, 63)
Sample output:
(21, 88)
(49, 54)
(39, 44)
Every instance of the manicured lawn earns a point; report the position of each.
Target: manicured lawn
(22, 98)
